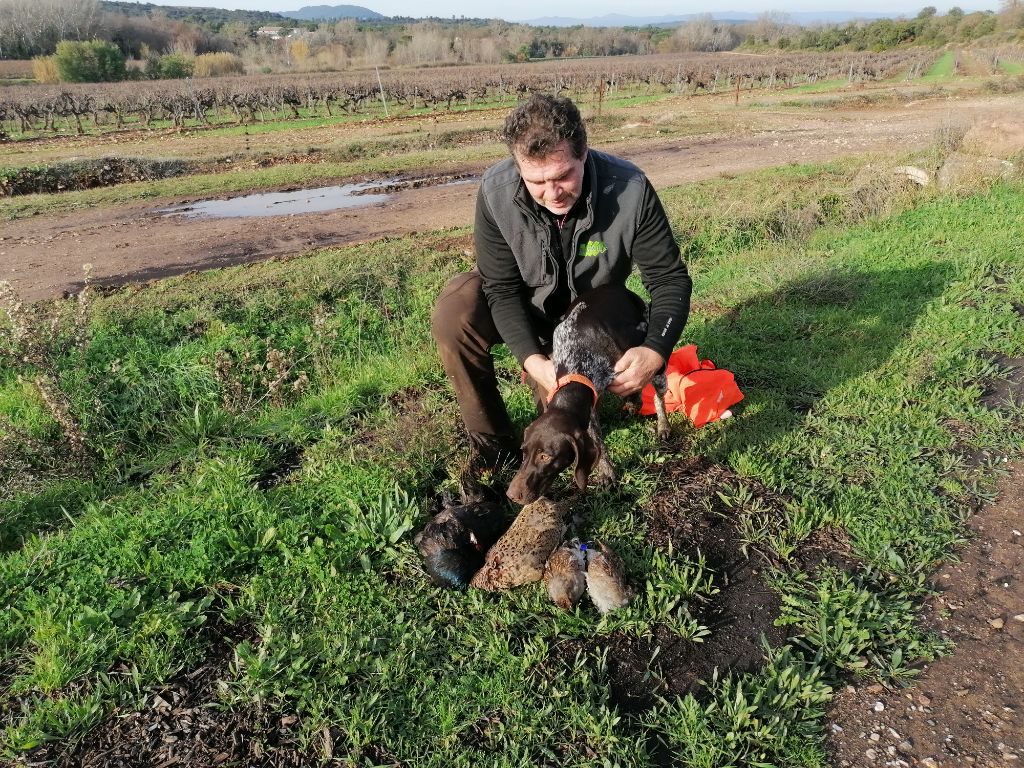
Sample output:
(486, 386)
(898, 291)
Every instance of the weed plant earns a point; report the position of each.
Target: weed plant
(263, 442)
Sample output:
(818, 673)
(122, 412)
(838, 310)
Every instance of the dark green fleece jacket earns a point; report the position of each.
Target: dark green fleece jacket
(522, 261)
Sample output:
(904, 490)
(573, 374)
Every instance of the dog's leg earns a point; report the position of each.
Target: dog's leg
(605, 476)
(660, 385)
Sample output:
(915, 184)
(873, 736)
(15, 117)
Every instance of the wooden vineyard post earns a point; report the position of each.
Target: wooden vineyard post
(739, 79)
(381, 86)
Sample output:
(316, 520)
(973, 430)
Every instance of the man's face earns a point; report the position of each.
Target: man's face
(555, 181)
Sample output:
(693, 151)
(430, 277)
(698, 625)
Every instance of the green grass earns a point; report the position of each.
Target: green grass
(861, 348)
(941, 69)
(1012, 67)
(824, 85)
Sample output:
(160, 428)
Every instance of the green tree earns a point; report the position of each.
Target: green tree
(175, 65)
(96, 61)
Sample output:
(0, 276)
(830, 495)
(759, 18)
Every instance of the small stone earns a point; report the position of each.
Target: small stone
(929, 762)
(874, 737)
(1019, 617)
(159, 703)
(924, 701)
(837, 728)
(875, 688)
(906, 746)
(870, 754)
(879, 706)
(1009, 756)
(894, 733)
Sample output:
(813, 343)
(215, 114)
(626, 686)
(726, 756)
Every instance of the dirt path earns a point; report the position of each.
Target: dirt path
(42, 256)
(964, 709)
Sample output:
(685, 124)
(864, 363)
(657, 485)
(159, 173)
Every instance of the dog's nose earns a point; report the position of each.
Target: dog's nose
(518, 491)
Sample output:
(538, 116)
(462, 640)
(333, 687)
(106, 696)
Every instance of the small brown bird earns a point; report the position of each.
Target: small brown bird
(518, 557)
(564, 576)
(453, 543)
(606, 579)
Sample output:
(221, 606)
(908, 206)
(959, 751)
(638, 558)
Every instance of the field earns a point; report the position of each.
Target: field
(210, 477)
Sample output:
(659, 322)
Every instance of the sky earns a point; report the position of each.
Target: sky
(532, 9)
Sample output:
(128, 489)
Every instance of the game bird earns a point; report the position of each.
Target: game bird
(518, 557)
(565, 576)
(453, 544)
(606, 579)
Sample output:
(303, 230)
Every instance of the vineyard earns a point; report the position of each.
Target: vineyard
(38, 109)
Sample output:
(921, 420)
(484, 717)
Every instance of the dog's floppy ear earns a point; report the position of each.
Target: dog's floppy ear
(587, 454)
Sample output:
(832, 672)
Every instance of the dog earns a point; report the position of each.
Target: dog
(454, 543)
(594, 333)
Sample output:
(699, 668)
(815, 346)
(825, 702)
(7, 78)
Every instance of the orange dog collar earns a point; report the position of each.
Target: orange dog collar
(578, 379)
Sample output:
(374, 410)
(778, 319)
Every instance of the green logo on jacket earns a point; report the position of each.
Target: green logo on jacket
(594, 248)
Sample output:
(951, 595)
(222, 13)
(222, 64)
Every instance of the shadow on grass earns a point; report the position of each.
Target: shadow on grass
(787, 348)
(790, 347)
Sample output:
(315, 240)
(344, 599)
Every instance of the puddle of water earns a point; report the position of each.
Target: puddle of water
(306, 200)
(284, 203)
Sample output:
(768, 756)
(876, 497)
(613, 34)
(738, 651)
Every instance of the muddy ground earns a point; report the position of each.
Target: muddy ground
(42, 256)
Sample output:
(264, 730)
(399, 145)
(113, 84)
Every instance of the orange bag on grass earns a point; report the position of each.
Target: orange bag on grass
(696, 387)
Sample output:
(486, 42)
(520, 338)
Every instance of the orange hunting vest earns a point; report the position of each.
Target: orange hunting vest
(695, 387)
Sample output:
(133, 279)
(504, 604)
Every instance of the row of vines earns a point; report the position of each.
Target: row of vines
(36, 109)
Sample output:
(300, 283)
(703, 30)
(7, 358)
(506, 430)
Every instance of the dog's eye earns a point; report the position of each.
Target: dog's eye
(544, 457)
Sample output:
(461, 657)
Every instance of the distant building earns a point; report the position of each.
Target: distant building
(274, 33)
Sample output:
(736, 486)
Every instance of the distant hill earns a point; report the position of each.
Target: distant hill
(317, 12)
(621, 20)
(201, 15)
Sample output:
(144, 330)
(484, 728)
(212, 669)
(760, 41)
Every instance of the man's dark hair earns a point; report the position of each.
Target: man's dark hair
(536, 126)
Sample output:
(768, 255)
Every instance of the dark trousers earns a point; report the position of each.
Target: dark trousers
(462, 326)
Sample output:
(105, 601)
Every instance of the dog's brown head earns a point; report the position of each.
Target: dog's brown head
(552, 443)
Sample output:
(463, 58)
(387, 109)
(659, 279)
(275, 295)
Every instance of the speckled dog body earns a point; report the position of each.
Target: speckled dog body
(598, 328)
(518, 557)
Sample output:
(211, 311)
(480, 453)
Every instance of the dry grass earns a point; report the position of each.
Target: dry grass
(15, 68)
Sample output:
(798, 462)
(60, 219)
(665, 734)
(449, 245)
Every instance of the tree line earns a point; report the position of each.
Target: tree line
(173, 41)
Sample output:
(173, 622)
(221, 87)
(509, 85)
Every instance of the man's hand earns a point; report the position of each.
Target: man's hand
(634, 370)
(541, 370)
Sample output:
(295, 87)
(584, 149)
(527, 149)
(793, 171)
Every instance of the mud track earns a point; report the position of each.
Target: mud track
(42, 256)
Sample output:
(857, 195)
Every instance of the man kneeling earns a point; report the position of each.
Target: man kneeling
(553, 220)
